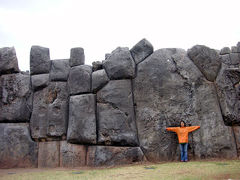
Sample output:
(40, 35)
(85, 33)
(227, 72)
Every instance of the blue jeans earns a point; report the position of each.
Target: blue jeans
(183, 149)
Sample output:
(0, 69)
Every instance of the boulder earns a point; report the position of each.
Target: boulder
(82, 119)
(39, 60)
(59, 70)
(115, 114)
(207, 60)
(225, 50)
(79, 80)
(38, 121)
(15, 98)
(17, 150)
(228, 88)
(97, 65)
(39, 81)
(120, 64)
(99, 79)
(57, 114)
(48, 154)
(170, 88)
(141, 50)
(77, 57)
(110, 155)
(8, 61)
(72, 155)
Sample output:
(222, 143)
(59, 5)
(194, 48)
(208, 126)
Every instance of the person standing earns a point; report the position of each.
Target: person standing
(182, 133)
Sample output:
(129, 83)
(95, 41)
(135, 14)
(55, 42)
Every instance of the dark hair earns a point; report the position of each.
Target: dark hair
(183, 123)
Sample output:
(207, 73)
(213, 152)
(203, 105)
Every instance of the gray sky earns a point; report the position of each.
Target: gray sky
(99, 26)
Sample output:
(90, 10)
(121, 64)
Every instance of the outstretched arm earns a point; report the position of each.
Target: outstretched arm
(171, 129)
(193, 128)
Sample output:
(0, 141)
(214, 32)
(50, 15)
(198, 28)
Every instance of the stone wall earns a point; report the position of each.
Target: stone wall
(68, 114)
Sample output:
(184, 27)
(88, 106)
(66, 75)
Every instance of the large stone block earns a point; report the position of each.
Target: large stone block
(82, 119)
(39, 81)
(57, 114)
(110, 155)
(116, 119)
(79, 80)
(97, 65)
(72, 155)
(120, 64)
(59, 70)
(15, 98)
(48, 154)
(141, 50)
(236, 130)
(207, 60)
(170, 88)
(8, 61)
(225, 50)
(39, 60)
(228, 88)
(99, 79)
(77, 57)
(17, 150)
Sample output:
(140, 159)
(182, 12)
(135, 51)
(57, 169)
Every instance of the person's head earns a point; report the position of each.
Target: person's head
(182, 124)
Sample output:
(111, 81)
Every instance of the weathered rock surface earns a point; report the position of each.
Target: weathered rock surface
(82, 119)
(120, 64)
(225, 50)
(234, 49)
(72, 155)
(57, 115)
(17, 150)
(39, 60)
(110, 155)
(15, 98)
(116, 120)
(207, 60)
(97, 65)
(8, 61)
(77, 57)
(234, 58)
(48, 154)
(99, 79)
(228, 88)
(141, 50)
(169, 88)
(236, 130)
(39, 81)
(59, 70)
(79, 80)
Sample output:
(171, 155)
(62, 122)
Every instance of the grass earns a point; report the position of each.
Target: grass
(169, 170)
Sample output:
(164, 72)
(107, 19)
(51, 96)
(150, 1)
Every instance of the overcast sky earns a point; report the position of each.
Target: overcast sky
(99, 26)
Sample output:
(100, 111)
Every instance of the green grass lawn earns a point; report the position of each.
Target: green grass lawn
(169, 170)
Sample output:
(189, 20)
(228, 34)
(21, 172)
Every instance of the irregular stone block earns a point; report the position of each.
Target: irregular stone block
(120, 64)
(77, 57)
(228, 88)
(236, 130)
(79, 80)
(225, 50)
(59, 70)
(170, 88)
(234, 49)
(82, 119)
(39, 119)
(48, 154)
(8, 61)
(17, 150)
(238, 47)
(15, 98)
(57, 114)
(206, 59)
(39, 60)
(110, 155)
(99, 79)
(141, 50)
(72, 155)
(234, 58)
(97, 65)
(116, 120)
(39, 81)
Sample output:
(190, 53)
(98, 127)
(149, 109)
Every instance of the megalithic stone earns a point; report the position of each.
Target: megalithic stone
(77, 57)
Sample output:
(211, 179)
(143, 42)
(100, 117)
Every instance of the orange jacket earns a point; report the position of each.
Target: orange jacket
(182, 132)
